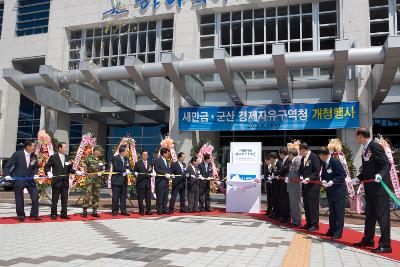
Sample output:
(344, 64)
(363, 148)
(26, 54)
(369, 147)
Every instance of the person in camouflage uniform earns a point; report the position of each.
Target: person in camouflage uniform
(94, 166)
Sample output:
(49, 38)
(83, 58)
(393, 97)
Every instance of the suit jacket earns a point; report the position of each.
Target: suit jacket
(120, 166)
(284, 169)
(161, 168)
(190, 172)
(336, 173)
(205, 173)
(16, 166)
(177, 170)
(311, 169)
(374, 161)
(60, 173)
(294, 169)
(143, 180)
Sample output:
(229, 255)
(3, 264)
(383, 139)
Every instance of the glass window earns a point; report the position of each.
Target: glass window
(28, 121)
(1, 17)
(32, 17)
(379, 21)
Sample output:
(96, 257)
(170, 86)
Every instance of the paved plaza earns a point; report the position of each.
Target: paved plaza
(172, 241)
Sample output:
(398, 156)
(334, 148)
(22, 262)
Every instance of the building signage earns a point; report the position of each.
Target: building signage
(246, 152)
(121, 6)
(270, 117)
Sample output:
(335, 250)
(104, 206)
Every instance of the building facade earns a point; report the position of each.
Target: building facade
(126, 67)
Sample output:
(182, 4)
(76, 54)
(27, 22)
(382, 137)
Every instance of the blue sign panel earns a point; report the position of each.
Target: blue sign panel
(270, 117)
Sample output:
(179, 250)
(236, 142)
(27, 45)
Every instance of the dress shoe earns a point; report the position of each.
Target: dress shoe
(65, 217)
(183, 211)
(95, 214)
(53, 217)
(114, 214)
(159, 213)
(294, 224)
(305, 227)
(381, 250)
(36, 218)
(84, 213)
(208, 210)
(170, 212)
(336, 237)
(165, 212)
(364, 244)
(284, 220)
(141, 213)
(329, 234)
(21, 219)
(125, 213)
(148, 213)
(313, 228)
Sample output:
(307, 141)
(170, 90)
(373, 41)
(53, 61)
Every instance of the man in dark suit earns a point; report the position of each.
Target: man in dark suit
(58, 168)
(204, 184)
(375, 165)
(119, 181)
(23, 166)
(178, 169)
(310, 169)
(192, 174)
(142, 172)
(284, 204)
(274, 171)
(333, 179)
(163, 171)
(267, 173)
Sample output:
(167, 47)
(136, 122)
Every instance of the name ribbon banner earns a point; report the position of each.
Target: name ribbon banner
(270, 117)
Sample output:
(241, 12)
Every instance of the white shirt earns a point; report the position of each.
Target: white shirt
(284, 160)
(27, 158)
(181, 165)
(165, 161)
(327, 161)
(62, 158)
(306, 157)
(365, 146)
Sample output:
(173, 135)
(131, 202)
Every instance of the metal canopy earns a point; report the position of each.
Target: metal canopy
(143, 89)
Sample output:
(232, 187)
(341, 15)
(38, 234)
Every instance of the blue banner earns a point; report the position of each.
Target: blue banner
(270, 117)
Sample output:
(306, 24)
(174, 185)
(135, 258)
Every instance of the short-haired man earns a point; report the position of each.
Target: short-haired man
(59, 167)
(333, 179)
(22, 166)
(273, 179)
(310, 169)
(375, 165)
(163, 171)
(143, 172)
(284, 204)
(204, 183)
(192, 174)
(119, 181)
(294, 188)
(178, 169)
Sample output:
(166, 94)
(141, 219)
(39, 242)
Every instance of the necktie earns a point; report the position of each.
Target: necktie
(62, 160)
(28, 159)
(145, 164)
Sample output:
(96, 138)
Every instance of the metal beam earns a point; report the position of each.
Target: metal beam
(133, 67)
(234, 84)
(120, 94)
(281, 72)
(340, 69)
(189, 87)
(382, 75)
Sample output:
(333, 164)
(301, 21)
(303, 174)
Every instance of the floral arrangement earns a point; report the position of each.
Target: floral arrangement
(294, 144)
(85, 149)
(169, 143)
(207, 148)
(335, 146)
(44, 150)
(132, 155)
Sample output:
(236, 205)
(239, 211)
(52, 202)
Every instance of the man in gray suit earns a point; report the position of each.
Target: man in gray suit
(294, 188)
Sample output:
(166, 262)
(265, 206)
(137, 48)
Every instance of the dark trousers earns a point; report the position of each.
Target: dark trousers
(30, 185)
(57, 190)
(283, 203)
(193, 197)
(269, 197)
(311, 207)
(177, 189)
(336, 216)
(162, 198)
(275, 197)
(204, 196)
(377, 208)
(144, 194)
(119, 193)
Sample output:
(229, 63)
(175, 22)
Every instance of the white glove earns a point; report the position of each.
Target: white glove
(286, 179)
(167, 175)
(355, 181)
(329, 184)
(305, 181)
(153, 174)
(8, 178)
(124, 174)
(173, 176)
(79, 173)
(50, 175)
(201, 177)
(35, 176)
(378, 178)
(193, 176)
(99, 174)
(188, 175)
(136, 174)
(128, 171)
(324, 183)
